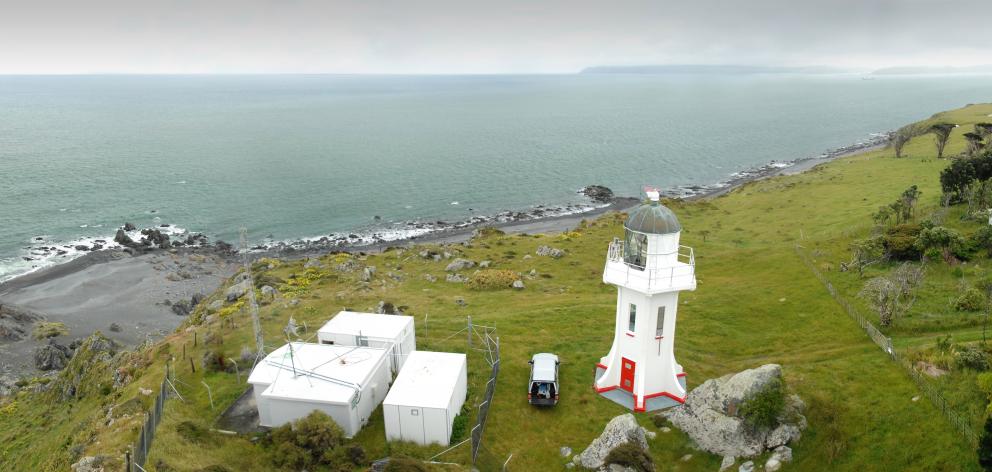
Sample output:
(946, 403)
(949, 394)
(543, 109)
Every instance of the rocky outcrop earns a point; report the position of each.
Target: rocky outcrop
(456, 278)
(709, 414)
(387, 308)
(90, 464)
(313, 263)
(236, 291)
(368, 273)
(124, 240)
(598, 193)
(52, 356)
(459, 264)
(551, 252)
(621, 429)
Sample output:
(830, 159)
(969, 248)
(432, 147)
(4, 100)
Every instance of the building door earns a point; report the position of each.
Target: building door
(627, 374)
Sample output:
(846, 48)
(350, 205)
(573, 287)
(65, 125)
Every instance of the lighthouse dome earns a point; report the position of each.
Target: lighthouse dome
(652, 218)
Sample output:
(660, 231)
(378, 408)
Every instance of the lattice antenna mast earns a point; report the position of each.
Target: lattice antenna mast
(252, 304)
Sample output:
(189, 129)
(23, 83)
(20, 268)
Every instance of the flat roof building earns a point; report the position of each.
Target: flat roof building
(394, 333)
(425, 398)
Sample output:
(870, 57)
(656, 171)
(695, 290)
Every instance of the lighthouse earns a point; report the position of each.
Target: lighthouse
(649, 268)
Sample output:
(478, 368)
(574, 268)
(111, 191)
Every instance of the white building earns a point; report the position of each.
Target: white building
(394, 333)
(649, 269)
(346, 382)
(427, 395)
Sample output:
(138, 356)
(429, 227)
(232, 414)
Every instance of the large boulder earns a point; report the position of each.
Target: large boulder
(123, 239)
(709, 414)
(237, 290)
(620, 430)
(551, 252)
(459, 264)
(90, 464)
(51, 356)
(598, 193)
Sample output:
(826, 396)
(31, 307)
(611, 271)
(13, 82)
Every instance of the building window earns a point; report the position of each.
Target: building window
(632, 324)
(635, 249)
(659, 330)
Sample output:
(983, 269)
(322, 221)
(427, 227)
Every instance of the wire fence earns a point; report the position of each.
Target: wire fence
(492, 346)
(960, 422)
(135, 457)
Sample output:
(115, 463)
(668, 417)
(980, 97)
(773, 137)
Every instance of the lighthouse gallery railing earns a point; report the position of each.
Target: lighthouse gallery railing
(657, 277)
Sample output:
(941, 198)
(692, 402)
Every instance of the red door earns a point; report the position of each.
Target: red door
(627, 374)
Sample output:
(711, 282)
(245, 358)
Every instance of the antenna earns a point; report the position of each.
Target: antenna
(252, 304)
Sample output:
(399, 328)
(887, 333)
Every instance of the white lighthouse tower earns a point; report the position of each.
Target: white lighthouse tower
(649, 269)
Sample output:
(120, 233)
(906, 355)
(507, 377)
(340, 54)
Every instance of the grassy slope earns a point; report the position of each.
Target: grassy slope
(756, 303)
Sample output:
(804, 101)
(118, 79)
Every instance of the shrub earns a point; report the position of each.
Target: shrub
(762, 410)
(972, 358)
(405, 464)
(971, 300)
(630, 455)
(307, 442)
(982, 239)
(356, 454)
(191, 432)
(492, 279)
(49, 329)
(458, 427)
(946, 240)
(900, 241)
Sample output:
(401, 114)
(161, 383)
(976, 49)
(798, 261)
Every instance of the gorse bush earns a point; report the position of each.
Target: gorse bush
(761, 411)
(972, 357)
(306, 443)
(630, 455)
(971, 299)
(492, 279)
(900, 241)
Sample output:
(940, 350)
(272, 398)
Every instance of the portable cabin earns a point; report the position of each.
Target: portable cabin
(346, 382)
(394, 333)
(425, 398)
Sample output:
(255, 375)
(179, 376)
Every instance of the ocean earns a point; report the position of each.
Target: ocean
(294, 156)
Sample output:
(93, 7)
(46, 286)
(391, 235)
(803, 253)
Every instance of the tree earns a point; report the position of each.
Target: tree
(941, 134)
(985, 445)
(943, 239)
(901, 137)
(974, 143)
(908, 199)
(893, 296)
(866, 252)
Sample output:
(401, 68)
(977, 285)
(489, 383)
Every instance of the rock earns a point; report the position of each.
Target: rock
(129, 227)
(430, 278)
(773, 464)
(746, 467)
(727, 463)
(518, 284)
(81, 247)
(456, 278)
(181, 308)
(651, 434)
(460, 301)
(459, 264)
(686, 458)
(930, 369)
(621, 429)
(665, 429)
(570, 465)
(708, 415)
(236, 291)
(269, 291)
(294, 302)
(89, 464)
(527, 256)
(549, 251)
(485, 264)
(123, 239)
(598, 193)
(367, 273)
(916, 398)
(144, 391)
(386, 308)
(173, 277)
(565, 451)
(115, 328)
(313, 263)
(51, 356)
(215, 305)
(783, 454)
(11, 330)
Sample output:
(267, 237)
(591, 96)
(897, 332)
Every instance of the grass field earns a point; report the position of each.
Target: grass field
(756, 303)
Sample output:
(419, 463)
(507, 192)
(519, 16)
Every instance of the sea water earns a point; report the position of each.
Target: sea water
(294, 156)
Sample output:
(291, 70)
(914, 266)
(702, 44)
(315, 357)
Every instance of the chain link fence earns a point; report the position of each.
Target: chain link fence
(960, 422)
(134, 459)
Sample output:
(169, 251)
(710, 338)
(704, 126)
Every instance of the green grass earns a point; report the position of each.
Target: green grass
(756, 303)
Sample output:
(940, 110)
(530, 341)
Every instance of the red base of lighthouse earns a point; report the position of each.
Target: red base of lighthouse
(652, 402)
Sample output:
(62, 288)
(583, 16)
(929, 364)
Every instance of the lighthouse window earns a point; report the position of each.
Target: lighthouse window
(635, 250)
(633, 318)
(659, 330)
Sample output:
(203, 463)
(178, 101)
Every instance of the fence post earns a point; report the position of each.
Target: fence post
(470, 331)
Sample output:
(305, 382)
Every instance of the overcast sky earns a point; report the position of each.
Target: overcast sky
(475, 36)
